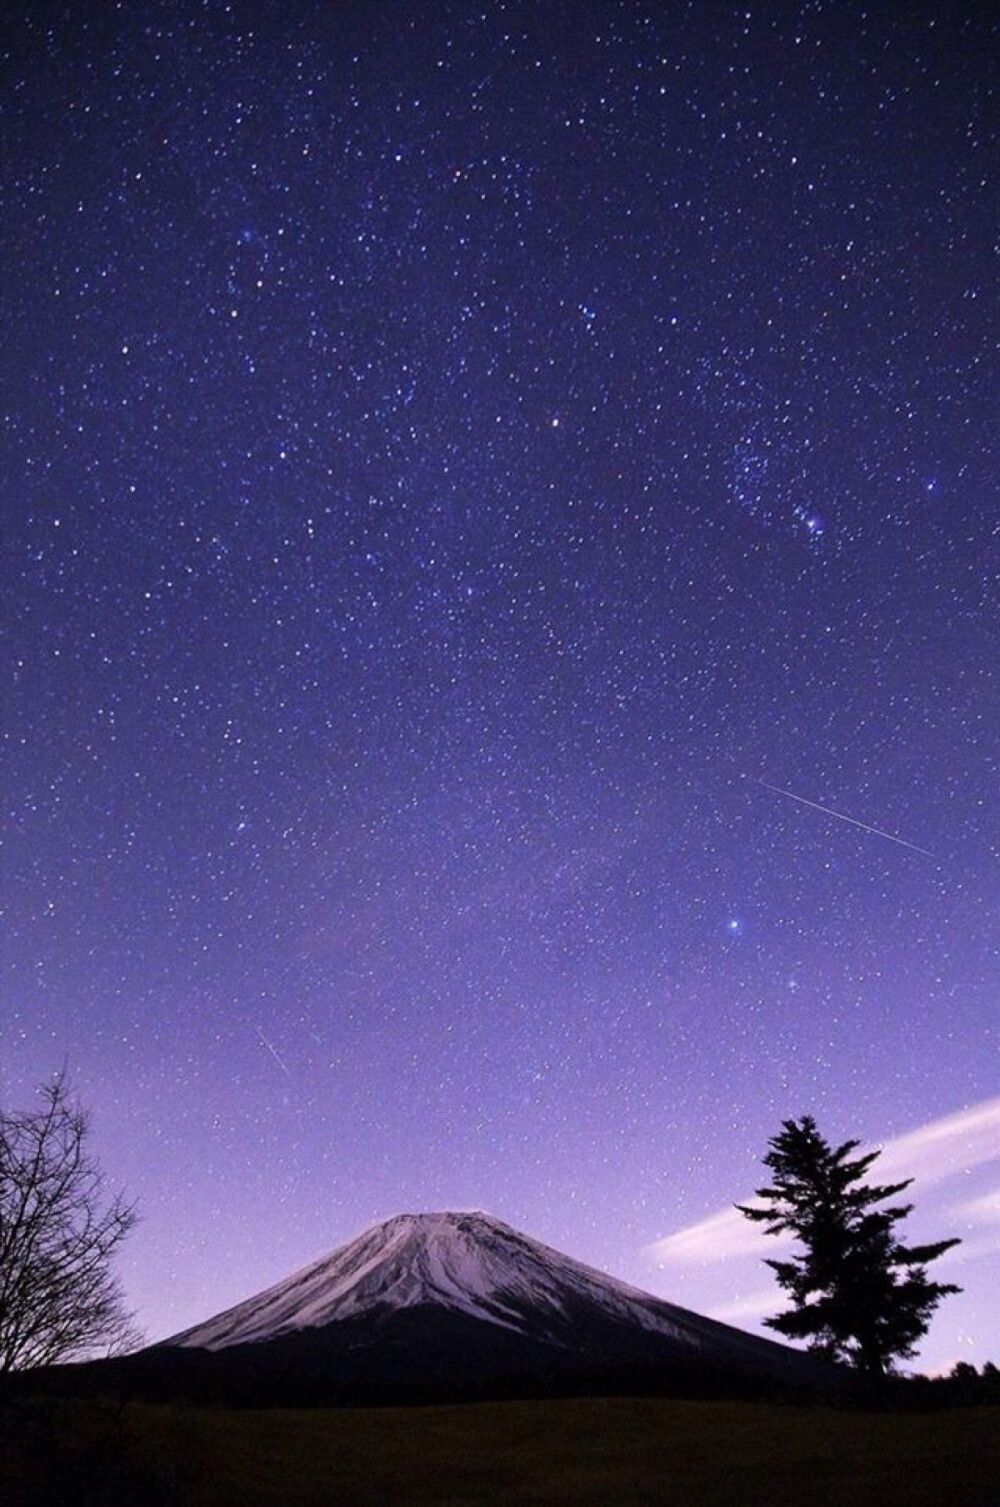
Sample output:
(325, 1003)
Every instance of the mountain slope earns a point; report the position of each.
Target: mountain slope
(470, 1263)
(461, 1304)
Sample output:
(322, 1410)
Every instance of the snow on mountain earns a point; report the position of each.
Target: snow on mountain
(474, 1265)
(469, 1262)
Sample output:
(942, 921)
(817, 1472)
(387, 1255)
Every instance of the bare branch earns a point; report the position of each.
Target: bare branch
(58, 1297)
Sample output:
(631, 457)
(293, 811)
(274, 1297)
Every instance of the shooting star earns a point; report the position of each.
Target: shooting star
(842, 818)
(273, 1051)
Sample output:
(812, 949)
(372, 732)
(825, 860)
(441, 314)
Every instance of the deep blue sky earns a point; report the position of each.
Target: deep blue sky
(471, 473)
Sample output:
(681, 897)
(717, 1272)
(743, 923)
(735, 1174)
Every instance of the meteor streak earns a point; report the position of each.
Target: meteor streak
(273, 1050)
(842, 818)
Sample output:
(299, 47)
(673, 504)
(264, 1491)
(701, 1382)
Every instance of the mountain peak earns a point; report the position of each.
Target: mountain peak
(466, 1273)
(464, 1260)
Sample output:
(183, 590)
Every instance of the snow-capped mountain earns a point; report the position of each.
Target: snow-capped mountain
(467, 1262)
(462, 1295)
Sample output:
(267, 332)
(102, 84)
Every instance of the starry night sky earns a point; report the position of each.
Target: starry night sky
(471, 473)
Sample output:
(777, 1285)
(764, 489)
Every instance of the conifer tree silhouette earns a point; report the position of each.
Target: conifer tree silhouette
(859, 1295)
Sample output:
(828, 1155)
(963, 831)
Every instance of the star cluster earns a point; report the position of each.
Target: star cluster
(464, 466)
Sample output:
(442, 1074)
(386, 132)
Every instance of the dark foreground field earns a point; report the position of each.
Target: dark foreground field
(598, 1451)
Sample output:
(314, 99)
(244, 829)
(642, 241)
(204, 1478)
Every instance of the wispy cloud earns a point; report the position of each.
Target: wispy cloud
(720, 1237)
(931, 1154)
(755, 1305)
(943, 1148)
(982, 1210)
